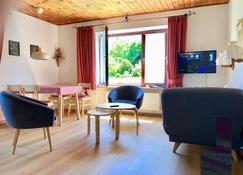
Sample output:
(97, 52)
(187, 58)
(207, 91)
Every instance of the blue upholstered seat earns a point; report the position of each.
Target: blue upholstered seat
(26, 113)
(189, 114)
(127, 94)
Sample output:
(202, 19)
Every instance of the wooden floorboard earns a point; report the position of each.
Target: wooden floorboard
(75, 153)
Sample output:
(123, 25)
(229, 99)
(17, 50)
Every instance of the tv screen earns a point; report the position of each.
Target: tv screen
(197, 62)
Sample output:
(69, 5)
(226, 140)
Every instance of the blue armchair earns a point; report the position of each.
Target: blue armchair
(189, 114)
(127, 94)
(26, 113)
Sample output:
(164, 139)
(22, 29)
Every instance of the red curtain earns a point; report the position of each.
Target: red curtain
(86, 56)
(177, 35)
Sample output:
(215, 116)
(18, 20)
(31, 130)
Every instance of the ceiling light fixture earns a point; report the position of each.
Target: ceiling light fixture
(39, 10)
(39, 54)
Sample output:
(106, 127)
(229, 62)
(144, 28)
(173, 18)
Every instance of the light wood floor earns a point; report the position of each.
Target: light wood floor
(75, 153)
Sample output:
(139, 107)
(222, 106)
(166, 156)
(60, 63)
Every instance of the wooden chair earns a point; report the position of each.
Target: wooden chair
(55, 98)
(17, 89)
(33, 91)
(66, 98)
(85, 100)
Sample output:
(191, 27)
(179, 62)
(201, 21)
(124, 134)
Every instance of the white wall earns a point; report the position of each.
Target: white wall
(22, 69)
(235, 14)
(206, 30)
(67, 42)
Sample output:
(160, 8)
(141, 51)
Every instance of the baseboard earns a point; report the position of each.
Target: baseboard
(145, 112)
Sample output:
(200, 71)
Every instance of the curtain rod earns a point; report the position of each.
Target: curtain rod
(189, 13)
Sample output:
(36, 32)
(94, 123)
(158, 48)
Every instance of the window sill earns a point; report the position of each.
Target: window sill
(146, 89)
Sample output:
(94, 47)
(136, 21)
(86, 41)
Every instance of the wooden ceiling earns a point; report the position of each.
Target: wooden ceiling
(73, 11)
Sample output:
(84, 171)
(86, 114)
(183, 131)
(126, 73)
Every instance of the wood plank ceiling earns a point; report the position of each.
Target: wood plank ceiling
(73, 11)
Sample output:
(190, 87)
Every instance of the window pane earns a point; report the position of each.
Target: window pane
(125, 59)
(155, 58)
(100, 58)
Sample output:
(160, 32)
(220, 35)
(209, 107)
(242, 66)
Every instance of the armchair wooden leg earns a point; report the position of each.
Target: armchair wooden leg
(136, 115)
(16, 140)
(15, 135)
(49, 138)
(234, 155)
(176, 146)
(44, 131)
(113, 120)
(110, 120)
(137, 121)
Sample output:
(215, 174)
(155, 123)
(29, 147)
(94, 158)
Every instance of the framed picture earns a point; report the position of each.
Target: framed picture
(14, 48)
(33, 49)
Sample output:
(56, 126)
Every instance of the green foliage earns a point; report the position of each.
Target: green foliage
(125, 66)
(118, 75)
(136, 71)
(121, 56)
(113, 67)
(126, 50)
(136, 74)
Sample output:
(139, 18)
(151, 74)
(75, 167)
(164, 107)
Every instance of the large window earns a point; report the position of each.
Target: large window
(135, 56)
(125, 59)
(155, 58)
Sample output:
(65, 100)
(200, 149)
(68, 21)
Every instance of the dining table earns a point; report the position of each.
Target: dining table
(61, 90)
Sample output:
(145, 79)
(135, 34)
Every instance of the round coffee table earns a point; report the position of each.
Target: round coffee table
(97, 115)
(117, 107)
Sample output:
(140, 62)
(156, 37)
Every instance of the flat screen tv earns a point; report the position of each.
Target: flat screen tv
(197, 62)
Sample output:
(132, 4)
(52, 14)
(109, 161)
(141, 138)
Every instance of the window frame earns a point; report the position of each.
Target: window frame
(144, 58)
(143, 39)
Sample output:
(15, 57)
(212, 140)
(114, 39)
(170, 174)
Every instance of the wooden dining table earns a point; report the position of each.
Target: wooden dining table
(61, 91)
